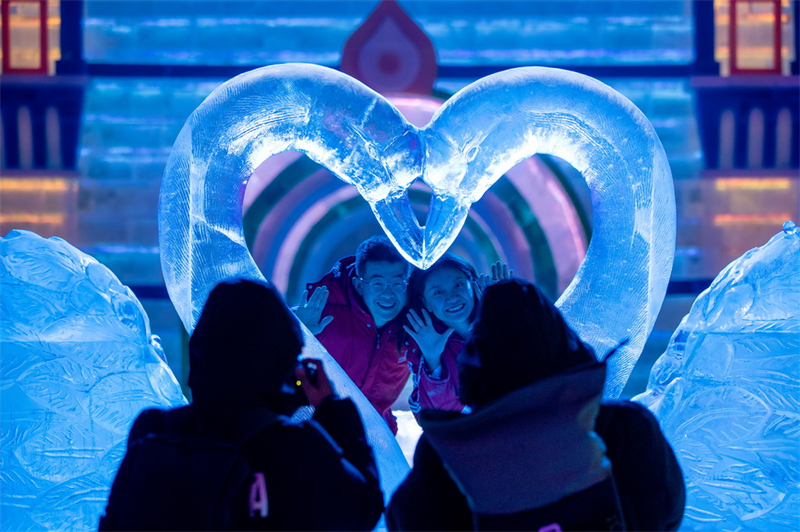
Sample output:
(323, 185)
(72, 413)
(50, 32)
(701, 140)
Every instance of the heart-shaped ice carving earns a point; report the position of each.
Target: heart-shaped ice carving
(472, 140)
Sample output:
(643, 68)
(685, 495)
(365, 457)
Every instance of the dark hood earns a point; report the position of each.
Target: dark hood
(243, 349)
(518, 338)
(527, 449)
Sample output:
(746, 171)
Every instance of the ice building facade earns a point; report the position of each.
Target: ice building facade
(78, 363)
(726, 393)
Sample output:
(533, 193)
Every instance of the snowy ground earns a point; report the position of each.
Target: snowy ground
(408, 432)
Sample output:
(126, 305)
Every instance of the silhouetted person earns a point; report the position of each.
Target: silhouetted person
(314, 475)
(529, 457)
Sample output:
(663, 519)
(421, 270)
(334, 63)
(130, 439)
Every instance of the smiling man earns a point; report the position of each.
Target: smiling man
(355, 313)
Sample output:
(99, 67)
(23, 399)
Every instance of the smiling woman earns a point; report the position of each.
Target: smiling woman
(442, 300)
(449, 295)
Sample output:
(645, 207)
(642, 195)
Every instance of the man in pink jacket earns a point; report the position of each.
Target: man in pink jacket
(355, 313)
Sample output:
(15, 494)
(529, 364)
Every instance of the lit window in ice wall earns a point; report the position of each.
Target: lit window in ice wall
(761, 32)
(31, 32)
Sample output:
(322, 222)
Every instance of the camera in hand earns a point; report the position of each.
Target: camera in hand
(311, 370)
(312, 376)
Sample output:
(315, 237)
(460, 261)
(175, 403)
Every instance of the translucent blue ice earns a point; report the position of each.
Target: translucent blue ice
(472, 140)
(727, 393)
(78, 364)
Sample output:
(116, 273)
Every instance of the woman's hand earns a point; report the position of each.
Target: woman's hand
(430, 342)
(309, 311)
(500, 272)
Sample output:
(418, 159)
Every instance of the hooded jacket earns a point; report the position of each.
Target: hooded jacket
(372, 358)
(242, 355)
(538, 436)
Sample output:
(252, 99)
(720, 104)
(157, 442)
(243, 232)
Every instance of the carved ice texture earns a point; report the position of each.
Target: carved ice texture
(727, 393)
(78, 365)
(476, 136)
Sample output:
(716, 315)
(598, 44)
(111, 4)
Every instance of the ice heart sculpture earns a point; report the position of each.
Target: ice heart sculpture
(474, 138)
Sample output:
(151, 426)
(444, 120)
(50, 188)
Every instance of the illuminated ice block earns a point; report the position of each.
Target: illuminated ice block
(727, 393)
(78, 365)
(472, 140)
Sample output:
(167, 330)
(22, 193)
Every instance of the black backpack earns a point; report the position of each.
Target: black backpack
(171, 479)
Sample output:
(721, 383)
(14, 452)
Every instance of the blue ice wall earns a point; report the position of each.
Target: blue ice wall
(506, 32)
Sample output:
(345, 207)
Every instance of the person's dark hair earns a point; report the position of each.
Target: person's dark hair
(243, 349)
(416, 283)
(377, 249)
(518, 338)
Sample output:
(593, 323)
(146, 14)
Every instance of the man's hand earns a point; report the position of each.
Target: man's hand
(309, 311)
(315, 391)
(429, 341)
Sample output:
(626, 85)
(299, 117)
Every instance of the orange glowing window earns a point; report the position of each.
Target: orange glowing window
(754, 36)
(761, 183)
(30, 36)
(773, 220)
(45, 205)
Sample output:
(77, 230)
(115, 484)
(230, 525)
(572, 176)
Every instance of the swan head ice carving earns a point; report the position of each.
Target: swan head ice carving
(725, 392)
(475, 137)
(78, 365)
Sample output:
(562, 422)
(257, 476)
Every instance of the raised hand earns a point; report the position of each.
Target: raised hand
(309, 311)
(430, 342)
(482, 282)
(500, 272)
